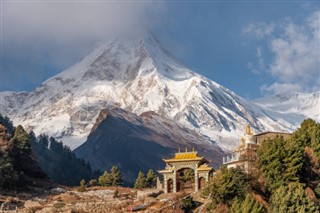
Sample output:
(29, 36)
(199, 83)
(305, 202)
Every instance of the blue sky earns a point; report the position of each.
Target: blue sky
(253, 48)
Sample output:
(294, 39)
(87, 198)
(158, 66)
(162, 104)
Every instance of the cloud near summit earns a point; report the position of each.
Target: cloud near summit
(77, 20)
(57, 34)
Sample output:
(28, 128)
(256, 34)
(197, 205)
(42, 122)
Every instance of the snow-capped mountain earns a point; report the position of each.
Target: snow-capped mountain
(138, 75)
(295, 103)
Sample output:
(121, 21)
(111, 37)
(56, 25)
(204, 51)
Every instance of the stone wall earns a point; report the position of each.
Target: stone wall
(259, 138)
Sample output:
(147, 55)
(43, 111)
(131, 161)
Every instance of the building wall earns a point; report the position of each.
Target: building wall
(270, 135)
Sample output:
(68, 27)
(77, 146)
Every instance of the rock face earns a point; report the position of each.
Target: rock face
(138, 75)
(140, 142)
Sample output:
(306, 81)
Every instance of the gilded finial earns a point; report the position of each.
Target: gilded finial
(248, 131)
(193, 148)
(186, 149)
(179, 149)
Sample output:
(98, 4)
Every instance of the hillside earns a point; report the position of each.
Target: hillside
(141, 142)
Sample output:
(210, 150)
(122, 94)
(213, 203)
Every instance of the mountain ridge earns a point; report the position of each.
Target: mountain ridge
(141, 142)
(138, 75)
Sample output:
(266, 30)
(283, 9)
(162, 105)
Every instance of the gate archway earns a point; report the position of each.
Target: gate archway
(170, 185)
(202, 182)
(185, 179)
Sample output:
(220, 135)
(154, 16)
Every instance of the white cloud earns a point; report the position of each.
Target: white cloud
(295, 51)
(67, 21)
(58, 33)
(296, 54)
(278, 88)
(260, 66)
(259, 30)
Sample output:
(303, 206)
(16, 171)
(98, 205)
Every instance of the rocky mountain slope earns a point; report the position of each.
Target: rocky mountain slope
(294, 104)
(141, 142)
(138, 75)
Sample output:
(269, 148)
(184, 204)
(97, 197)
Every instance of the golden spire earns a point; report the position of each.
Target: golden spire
(248, 131)
(179, 149)
(193, 148)
(186, 149)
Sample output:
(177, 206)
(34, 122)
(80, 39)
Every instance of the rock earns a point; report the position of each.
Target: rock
(57, 190)
(32, 204)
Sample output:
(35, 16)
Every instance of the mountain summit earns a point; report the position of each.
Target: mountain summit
(138, 75)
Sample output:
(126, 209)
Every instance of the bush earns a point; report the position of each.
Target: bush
(187, 204)
(93, 182)
(116, 194)
(82, 187)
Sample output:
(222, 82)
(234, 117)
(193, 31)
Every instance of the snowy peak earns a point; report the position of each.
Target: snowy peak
(123, 60)
(297, 103)
(139, 75)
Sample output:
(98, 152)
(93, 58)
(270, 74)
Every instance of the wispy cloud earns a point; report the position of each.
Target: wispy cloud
(258, 67)
(278, 88)
(259, 30)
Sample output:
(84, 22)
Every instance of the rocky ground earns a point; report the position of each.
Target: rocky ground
(98, 199)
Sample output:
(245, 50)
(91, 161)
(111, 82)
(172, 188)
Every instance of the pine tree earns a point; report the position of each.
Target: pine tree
(140, 181)
(271, 157)
(151, 179)
(20, 144)
(105, 179)
(248, 205)
(43, 140)
(315, 140)
(116, 176)
(291, 199)
(19, 152)
(9, 177)
(293, 160)
(228, 184)
(5, 121)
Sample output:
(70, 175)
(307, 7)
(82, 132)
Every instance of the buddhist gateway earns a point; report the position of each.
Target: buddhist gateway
(243, 156)
(180, 162)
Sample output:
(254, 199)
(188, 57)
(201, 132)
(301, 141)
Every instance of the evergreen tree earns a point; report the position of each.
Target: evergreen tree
(60, 163)
(140, 181)
(43, 140)
(151, 179)
(9, 177)
(315, 140)
(116, 176)
(5, 121)
(20, 144)
(248, 205)
(227, 184)
(19, 151)
(280, 161)
(293, 160)
(291, 199)
(105, 179)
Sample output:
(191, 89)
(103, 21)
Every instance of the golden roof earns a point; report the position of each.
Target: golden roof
(204, 167)
(184, 156)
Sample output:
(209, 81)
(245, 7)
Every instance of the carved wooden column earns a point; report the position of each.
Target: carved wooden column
(165, 180)
(174, 179)
(196, 178)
